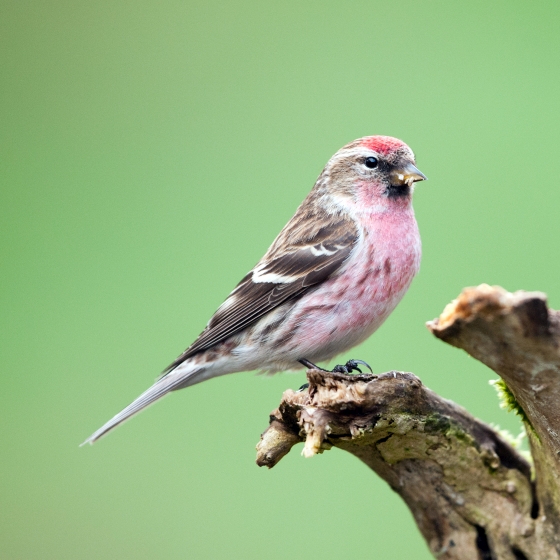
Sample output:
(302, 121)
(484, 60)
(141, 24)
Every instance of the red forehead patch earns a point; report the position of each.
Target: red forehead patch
(383, 144)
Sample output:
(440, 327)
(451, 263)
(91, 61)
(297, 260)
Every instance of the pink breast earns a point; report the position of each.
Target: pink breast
(349, 307)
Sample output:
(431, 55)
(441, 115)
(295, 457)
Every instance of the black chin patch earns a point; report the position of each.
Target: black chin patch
(397, 191)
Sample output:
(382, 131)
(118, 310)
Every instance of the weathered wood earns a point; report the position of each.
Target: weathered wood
(517, 336)
(470, 492)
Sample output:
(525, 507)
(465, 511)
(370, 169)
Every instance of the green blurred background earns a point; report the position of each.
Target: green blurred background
(150, 153)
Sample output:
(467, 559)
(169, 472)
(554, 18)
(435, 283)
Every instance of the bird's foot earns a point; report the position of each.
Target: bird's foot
(347, 368)
(350, 366)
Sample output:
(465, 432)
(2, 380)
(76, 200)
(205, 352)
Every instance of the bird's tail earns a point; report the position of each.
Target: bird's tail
(182, 376)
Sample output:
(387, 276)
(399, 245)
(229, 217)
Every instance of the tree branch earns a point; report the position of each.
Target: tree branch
(469, 491)
(519, 338)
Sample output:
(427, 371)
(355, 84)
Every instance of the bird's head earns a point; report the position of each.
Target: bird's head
(374, 170)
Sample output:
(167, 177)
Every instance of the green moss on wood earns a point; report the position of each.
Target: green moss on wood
(507, 399)
(509, 402)
(437, 423)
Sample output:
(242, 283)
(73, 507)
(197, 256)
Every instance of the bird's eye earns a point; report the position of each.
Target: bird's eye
(371, 162)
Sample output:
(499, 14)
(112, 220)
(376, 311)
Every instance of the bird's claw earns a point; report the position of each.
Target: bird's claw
(350, 366)
(354, 362)
(302, 388)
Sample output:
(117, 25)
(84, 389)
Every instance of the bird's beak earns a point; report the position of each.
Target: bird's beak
(406, 175)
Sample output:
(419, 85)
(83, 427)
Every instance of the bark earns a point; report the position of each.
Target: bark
(473, 496)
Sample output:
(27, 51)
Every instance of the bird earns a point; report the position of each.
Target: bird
(328, 281)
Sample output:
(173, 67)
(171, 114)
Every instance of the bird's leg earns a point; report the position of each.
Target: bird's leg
(347, 368)
(350, 366)
(310, 365)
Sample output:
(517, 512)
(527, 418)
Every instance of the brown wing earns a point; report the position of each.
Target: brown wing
(307, 252)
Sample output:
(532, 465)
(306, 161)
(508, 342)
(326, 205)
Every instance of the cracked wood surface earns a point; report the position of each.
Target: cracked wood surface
(469, 491)
(517, 336)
